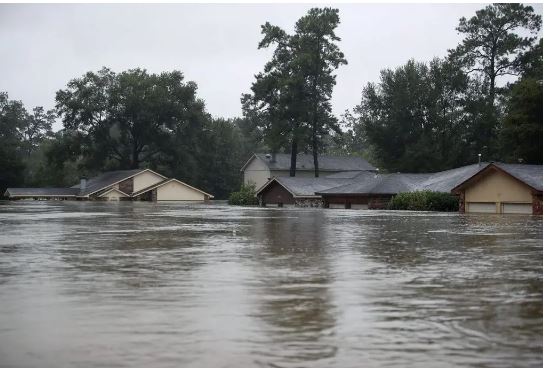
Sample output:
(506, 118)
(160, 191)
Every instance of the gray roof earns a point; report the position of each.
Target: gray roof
(307, 187)
(42, 192)
(104, 180)
(443, 181)
(532, 175)
(326, 163)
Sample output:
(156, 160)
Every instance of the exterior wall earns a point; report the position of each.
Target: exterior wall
(537, 204)
(373, 202)
(175, 191)
(113, 196)
(275, 194)
(257, 173)
(126, 186)
(497, 187)
(144, 180)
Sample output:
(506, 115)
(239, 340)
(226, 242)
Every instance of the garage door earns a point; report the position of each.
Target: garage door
(525, 208)
(481, 207)
(360, 207)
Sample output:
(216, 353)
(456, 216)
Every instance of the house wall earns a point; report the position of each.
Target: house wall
(275, 193)
(357, 201)
(144, 180)
(175, 191)
(256, 173)
(497, 187)
(113, 196)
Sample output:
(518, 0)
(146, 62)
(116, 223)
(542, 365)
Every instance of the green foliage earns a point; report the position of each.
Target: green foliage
(424, 201)
(413, 120)
(290, 100)
(244, 197)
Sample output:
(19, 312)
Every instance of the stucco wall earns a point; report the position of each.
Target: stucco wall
(113, 196)
(257, 173)
(498, 187)
(144, 180)
(175, 191)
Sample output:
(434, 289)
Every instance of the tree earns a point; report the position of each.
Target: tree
(129, 118)
(36, 127)
(522, 130)
(291, 98)
(316, 58)
(491, 46)
(413, 120)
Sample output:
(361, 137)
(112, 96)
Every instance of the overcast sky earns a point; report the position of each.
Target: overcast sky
(42, 47)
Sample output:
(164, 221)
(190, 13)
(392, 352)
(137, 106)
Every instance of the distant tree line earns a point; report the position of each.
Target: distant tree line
(421, 116)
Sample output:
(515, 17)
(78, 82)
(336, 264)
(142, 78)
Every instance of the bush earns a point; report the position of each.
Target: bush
(424, 201)
(244, 197)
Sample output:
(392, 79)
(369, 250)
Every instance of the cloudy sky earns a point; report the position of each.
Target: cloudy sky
(43, 46)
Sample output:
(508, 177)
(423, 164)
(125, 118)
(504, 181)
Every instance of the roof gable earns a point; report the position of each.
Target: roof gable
(164, 182)
(529, 175)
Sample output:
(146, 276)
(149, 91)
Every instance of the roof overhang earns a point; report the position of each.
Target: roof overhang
(490, 168)
(119, 181)
(155, 186)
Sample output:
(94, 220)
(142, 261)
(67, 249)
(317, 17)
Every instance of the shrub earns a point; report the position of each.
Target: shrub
(424, 201)
(244, 197)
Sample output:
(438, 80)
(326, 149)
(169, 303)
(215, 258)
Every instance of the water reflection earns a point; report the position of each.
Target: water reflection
(140, 284)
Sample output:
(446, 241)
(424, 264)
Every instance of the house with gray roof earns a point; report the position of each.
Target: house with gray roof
(485, 187)
(139, 184)
(262, 167)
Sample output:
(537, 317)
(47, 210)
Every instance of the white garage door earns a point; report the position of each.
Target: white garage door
(481, 207)
(525, 208)
(360, 207)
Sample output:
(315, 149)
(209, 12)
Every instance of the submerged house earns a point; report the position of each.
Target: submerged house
(262, 167)
(139, 184)
(486, 187)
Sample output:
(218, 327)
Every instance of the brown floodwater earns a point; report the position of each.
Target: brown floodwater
(89, 284)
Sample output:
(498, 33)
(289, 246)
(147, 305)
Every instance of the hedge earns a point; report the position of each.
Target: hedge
(424, 201)
(244, 197)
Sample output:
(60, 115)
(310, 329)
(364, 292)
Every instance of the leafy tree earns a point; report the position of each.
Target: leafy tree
(316, 57)
(491, 46)
(413, 119)
(37, 127)
(291, 98)
(129, 118)
(522, 130)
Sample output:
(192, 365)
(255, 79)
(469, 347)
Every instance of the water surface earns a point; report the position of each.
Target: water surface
(93, 284)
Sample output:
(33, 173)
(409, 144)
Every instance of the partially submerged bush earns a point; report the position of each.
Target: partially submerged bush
(424, 201)
(244, 197)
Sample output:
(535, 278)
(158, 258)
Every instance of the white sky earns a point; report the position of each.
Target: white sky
(43, 46)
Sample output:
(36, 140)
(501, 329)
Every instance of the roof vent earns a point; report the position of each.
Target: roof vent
(268, 156)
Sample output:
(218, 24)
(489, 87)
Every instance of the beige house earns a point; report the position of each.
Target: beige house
(261, 167)
(503, 188)
(139, 184)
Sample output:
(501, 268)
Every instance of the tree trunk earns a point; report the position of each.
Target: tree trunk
(315, 149)
(293, 163)
(135, 153)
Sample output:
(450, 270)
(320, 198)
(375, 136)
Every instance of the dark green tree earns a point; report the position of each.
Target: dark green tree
(290, 100)
(522, 130)
(128, 119)
(413, 120)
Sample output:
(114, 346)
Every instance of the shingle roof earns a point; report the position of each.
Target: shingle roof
(529, 174)
(104, 180)
(306, 187)
(326, 163)
(42, 192)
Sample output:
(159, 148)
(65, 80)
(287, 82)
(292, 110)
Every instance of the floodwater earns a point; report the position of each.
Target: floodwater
(89, 284)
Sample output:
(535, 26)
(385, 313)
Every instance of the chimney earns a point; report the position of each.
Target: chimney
(82, 183)
(273, 157)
